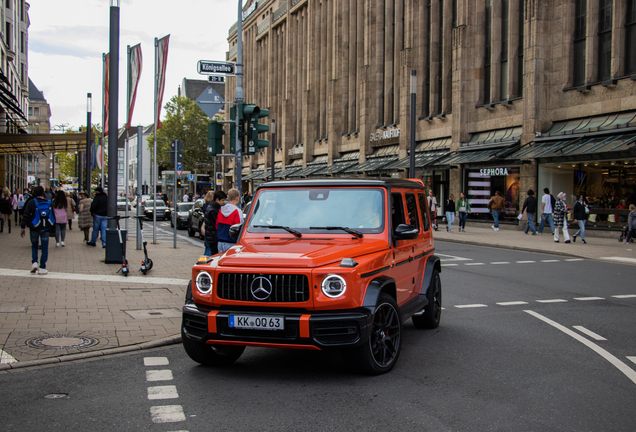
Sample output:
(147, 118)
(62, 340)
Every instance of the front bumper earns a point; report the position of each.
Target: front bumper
(306, 330)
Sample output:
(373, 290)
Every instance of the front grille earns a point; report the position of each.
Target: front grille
(195, 325)
(290, 331)
(285, 287)
(336, 332)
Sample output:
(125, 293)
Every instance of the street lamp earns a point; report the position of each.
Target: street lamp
(273, 144)
(89, 130)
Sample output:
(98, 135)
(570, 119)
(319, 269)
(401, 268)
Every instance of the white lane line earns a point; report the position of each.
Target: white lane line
(525, 262)
(552, 301)
(5, 357)
(623, 259)
(550, 261)
(470, 306)
(632, 359)
(624, 296)
(452, 258)
(512, 303)
(159, 375)
(97, 278)
(155, 361)
(162, 392)
(449, 265)
(473, 264)
(629, 372)
(574, 259)
(500, 262)
(588, 298)
(167, 414)
(590, 333)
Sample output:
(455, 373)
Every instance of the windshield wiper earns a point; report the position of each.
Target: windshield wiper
(293, 231)
(345, 229)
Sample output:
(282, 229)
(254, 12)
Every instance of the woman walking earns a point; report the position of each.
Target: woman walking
(463, 208)
(60, 206)
(432, 208)
(560, 213)
(17, 202)
(450, 212)
(85, 218)
(5, 209)
(70, 210)
(580, 216)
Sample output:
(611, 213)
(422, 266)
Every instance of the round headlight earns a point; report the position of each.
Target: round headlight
(333, 286)
(203, 282)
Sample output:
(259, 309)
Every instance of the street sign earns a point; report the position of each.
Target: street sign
(179, 168)
(210, 102)
(190, 177)
(208, 67)
(219, 179)
(179, 172)
(216, 79)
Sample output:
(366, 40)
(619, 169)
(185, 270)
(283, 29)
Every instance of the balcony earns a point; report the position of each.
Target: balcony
(263, 25)
(280, 12)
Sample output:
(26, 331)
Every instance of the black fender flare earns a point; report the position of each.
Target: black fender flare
(375, 287)
(432, 263)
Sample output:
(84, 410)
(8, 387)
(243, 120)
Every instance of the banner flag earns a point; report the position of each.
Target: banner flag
(99, 155)
(161, 58)
(106, 85)
(134, 72)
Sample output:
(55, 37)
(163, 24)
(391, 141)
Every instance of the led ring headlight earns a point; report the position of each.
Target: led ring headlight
(333, 286)
(203, 282)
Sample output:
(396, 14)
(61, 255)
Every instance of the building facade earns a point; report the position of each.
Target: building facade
(511, 95)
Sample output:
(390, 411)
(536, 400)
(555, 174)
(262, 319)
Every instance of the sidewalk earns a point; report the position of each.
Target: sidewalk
(83, 307)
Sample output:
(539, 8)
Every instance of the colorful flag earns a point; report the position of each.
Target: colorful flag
(134, 72)
(106, 85)
(161, 58)
(100, 156)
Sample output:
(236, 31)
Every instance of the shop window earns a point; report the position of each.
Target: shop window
(424, 211)
(605, 40)
(580, 28)
(397, 210)
(487, 53)
(630, 38)
(481, 185)
(411, 208)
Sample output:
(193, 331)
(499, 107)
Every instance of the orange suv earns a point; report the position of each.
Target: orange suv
(319, 264)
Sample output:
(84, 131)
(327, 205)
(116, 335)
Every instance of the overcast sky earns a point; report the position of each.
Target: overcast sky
(67, 39)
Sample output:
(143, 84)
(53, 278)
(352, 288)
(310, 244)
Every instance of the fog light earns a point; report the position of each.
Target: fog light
(333, 286)
(203, 282)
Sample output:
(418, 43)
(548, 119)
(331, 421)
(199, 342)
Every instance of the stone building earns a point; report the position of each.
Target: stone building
(511, 95)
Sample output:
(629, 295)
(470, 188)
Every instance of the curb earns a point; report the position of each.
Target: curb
(170, 340)
(516, 248)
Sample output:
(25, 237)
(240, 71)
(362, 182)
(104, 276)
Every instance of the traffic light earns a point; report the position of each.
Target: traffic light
(215, 138)
(178, 182)
(256, 128)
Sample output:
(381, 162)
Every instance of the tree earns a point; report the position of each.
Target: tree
(188, 123)
(66, 162)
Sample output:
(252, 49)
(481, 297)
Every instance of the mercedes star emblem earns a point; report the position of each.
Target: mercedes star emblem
(261, 288)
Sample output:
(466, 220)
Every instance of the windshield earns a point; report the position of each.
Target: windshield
(299, 209)
(184, 207)
(152, 203)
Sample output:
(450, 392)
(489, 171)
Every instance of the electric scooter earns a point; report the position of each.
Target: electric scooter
(124, 265)
(146, 264)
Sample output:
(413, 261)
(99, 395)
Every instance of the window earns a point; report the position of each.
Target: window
(8, 35)
(424, 211)
(504, 51)
(411, 208)
(487, 54)
(580, 28)
(8, 2)
(520, 52)
(630, 36)
(605, 40)
(397, 210)
(30, 111)
(426, 100)
(22, 42)
(36, 111)
(440, 59)
(454, 13)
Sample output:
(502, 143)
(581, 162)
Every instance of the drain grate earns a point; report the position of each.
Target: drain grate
(61, 341)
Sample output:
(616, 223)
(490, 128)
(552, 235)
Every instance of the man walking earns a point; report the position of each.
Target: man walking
(547, 206)
(580, 216)
(209, 224)
(99, 210)
(496, 205)
(39, 216)
(530, 207)
(229, 215)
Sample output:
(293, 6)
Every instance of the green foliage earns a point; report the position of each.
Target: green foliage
(187, 122)
(66, 161)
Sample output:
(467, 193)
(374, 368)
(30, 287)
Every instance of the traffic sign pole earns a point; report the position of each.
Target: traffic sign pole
(177, 166)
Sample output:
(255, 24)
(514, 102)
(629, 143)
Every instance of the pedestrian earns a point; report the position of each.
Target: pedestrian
(496, 205)
(207, 199)
(631, 224)
(185, 197)
(5, 209)
(560, 213)
(48, 194)
(85, 219)
(530, 207)
(60, 208)
(229, 215)
(463, 208)
(70, 210)
(450, 212)
(17, 203)
(38, 215)
(579, 213)
(99, 211)
(432, 208)
(209, 224)
(547, 205)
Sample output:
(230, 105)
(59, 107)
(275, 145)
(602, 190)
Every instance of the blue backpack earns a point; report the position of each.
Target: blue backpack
(43, 218)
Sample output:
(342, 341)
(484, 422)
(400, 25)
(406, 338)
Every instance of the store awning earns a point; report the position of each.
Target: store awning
(588, 125)
(485, 147)
(581, 148)
(253, 174)
(477, 156)
(380, 157)
(307, 171)
(12, 144)
(335, 168)
(495, 138)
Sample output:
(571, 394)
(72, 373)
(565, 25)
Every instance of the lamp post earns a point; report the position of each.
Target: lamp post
(273, 145)
(113, 102)
(89, 130)
(412, 155)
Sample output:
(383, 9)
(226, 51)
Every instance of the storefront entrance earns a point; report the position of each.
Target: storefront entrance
(480, 184)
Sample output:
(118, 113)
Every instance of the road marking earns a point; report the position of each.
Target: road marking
(159, 375)
(470, 306)
(590, 333)
(500, 262)
(167, 414)
(546, 261)
(624, 296)
(629, 372)
(574, 259)
(182, 237)
(623, 259)
(512, 303)
(525, 262)
(155, 361)
(449, 265)
(588, 298)
(5, 357)
(552, 301)
(632, 358)
(473, 264)
(453, 258)
(97, 278)
(162, 392)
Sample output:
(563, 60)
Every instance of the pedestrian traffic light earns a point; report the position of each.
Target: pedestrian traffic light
(254, 129)
(215, 138)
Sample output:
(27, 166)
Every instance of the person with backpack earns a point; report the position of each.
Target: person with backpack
(5, 209)
(60, 206)
(38, 215)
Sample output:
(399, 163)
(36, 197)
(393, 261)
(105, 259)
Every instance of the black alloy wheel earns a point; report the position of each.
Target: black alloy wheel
(210, 355)
(432, 315)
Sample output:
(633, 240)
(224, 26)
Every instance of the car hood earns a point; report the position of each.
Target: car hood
(183, 213)
(300, 253)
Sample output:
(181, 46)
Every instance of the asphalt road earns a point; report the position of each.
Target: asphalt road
(518, 349)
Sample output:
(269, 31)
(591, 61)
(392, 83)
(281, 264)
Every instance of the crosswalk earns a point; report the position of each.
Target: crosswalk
(457, 261)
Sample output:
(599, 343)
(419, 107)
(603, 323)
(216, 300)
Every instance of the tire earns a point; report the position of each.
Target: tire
(433, 311)
(210, 355)
(380, 352)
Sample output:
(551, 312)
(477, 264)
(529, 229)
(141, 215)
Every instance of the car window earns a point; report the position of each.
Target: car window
(411, 208)
(397, 210)
(425, 216)
(184, 207)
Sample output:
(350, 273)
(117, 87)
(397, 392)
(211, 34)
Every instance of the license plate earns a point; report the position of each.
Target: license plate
(255, 322)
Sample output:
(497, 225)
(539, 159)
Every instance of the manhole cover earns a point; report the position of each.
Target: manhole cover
(61, 341)
(56, 396)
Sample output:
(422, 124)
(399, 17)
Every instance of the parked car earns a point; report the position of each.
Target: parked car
(183, 213)
(319, 264)
(122, 202)
(195, 219)
(150, 206)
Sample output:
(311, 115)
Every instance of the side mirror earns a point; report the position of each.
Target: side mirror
(406, 232)
(235, 231)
